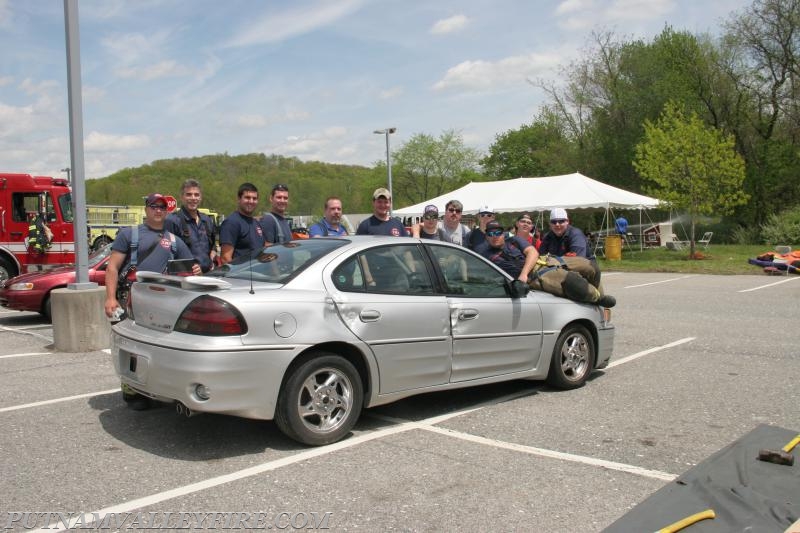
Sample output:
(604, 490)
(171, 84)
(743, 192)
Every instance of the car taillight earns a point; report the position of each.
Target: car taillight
(207, 315)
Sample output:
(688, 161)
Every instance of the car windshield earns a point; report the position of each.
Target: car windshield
(98, 255)
(278, 263)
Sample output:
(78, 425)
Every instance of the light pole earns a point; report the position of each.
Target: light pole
(67, 170)
(387, 132)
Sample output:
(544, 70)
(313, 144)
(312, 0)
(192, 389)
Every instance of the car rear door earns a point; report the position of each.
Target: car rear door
(492, 333)
(405, 323)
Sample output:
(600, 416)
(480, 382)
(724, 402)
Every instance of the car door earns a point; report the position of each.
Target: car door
(492, 333)
(405, 323)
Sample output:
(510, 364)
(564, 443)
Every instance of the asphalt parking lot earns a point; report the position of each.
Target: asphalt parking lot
(699, 361)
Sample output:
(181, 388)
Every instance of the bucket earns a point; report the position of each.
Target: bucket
(613, 249)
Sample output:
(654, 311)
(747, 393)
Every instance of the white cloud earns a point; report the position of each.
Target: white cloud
(388, 94)
(312, 147)
(162, 69)
(92, 94)
(104, 142)
(581, 15)
(486, 75)
(276, 27)
(41, 88)
(132, 48)
(449, 25)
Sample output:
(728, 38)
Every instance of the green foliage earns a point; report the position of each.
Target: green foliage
(220, 175)
(691, 167)
(782, 228)
(743, 235)
(542, 148)
(425, 167)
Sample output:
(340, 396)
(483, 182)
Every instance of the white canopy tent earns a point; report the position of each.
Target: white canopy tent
(570, 191)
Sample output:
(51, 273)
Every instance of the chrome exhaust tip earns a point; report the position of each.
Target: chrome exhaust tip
(183, 410)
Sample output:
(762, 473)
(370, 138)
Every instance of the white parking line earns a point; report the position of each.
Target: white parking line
(57, 400)
(649, 351)
(770, 284)
(24, 354)
(17, 330)
(659, 282)
(552, 454)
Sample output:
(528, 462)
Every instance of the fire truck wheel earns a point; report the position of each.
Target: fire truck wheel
(7, 270)
(101, 241)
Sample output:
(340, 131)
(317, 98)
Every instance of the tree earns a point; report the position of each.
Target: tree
(691, 166)
(542, 148)
(424, 167)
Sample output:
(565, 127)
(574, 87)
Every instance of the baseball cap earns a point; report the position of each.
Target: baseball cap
(559, 214)
(485, 209)
(155, 198)
(493, 225)
(381, 192)
(430, 210)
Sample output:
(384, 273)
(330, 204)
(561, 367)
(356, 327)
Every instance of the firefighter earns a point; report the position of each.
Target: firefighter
(39, 235)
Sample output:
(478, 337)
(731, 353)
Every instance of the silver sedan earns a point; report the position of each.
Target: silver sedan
(310, 332)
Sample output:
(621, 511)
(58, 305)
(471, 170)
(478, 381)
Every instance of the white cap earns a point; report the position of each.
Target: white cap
(485, 209)
(559, 213)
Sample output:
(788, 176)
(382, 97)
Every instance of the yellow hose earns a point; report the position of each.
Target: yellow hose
(688, 521)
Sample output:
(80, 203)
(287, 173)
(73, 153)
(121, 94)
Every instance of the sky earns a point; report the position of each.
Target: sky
(311, 79)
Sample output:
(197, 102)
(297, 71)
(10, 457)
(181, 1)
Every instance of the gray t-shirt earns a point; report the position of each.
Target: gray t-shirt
(459, 235)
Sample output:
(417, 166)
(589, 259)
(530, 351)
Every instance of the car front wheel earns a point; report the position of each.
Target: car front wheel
(320, 401)
(573, 358)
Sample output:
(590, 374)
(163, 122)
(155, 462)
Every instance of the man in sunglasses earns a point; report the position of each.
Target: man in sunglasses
(477, 236)
(566, 277)
(564, 239)
(147, 247)
(429, 227)
(454, 230)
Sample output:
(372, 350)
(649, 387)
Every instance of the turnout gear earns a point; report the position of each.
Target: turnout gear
(576, 278)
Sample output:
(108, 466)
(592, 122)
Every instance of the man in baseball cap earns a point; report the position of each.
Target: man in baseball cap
(478, 235)
(563, 239)
(381, 221)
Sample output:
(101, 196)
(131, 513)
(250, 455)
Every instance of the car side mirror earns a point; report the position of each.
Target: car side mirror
(517, 289)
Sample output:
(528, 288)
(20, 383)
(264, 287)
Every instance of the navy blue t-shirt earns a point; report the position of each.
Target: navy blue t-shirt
(269, 224)
(154, 249)
(199, 240)
(376, 226)
(573, 240)
(243, 233)
(511, 257)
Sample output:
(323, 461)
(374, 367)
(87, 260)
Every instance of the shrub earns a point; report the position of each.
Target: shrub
(782, 228)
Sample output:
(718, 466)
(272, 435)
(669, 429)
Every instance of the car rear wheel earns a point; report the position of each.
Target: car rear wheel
(573, 358)
(320, 401)
(101, 241)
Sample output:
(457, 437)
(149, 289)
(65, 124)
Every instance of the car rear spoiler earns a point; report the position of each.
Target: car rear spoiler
(184, 282)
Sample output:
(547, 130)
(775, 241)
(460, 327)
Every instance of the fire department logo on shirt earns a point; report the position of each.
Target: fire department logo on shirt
(395, 232)
(165, 243)
(259, 231)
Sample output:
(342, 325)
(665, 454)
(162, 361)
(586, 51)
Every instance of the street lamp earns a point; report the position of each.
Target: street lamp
(387, 132)
(67, 170)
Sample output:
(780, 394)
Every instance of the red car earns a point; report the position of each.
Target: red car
(31, 291)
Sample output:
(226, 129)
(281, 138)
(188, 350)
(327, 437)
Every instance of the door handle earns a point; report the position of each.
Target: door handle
(369, 315)
(468, 314)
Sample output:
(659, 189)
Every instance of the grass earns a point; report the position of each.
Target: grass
(718, 259)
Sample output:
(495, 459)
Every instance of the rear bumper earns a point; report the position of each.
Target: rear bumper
(242, 382)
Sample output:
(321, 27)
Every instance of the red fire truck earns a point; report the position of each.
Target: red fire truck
(23, 197)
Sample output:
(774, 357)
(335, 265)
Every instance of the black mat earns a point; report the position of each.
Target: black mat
(746, 494)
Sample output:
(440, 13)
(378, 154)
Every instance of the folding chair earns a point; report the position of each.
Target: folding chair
(706, 240)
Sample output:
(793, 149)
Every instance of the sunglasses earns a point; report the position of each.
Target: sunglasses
(430, 217)
(453, 210)
(484, 215)
(158, 207)
(280, 187)
(494, 233)
(559, 221)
